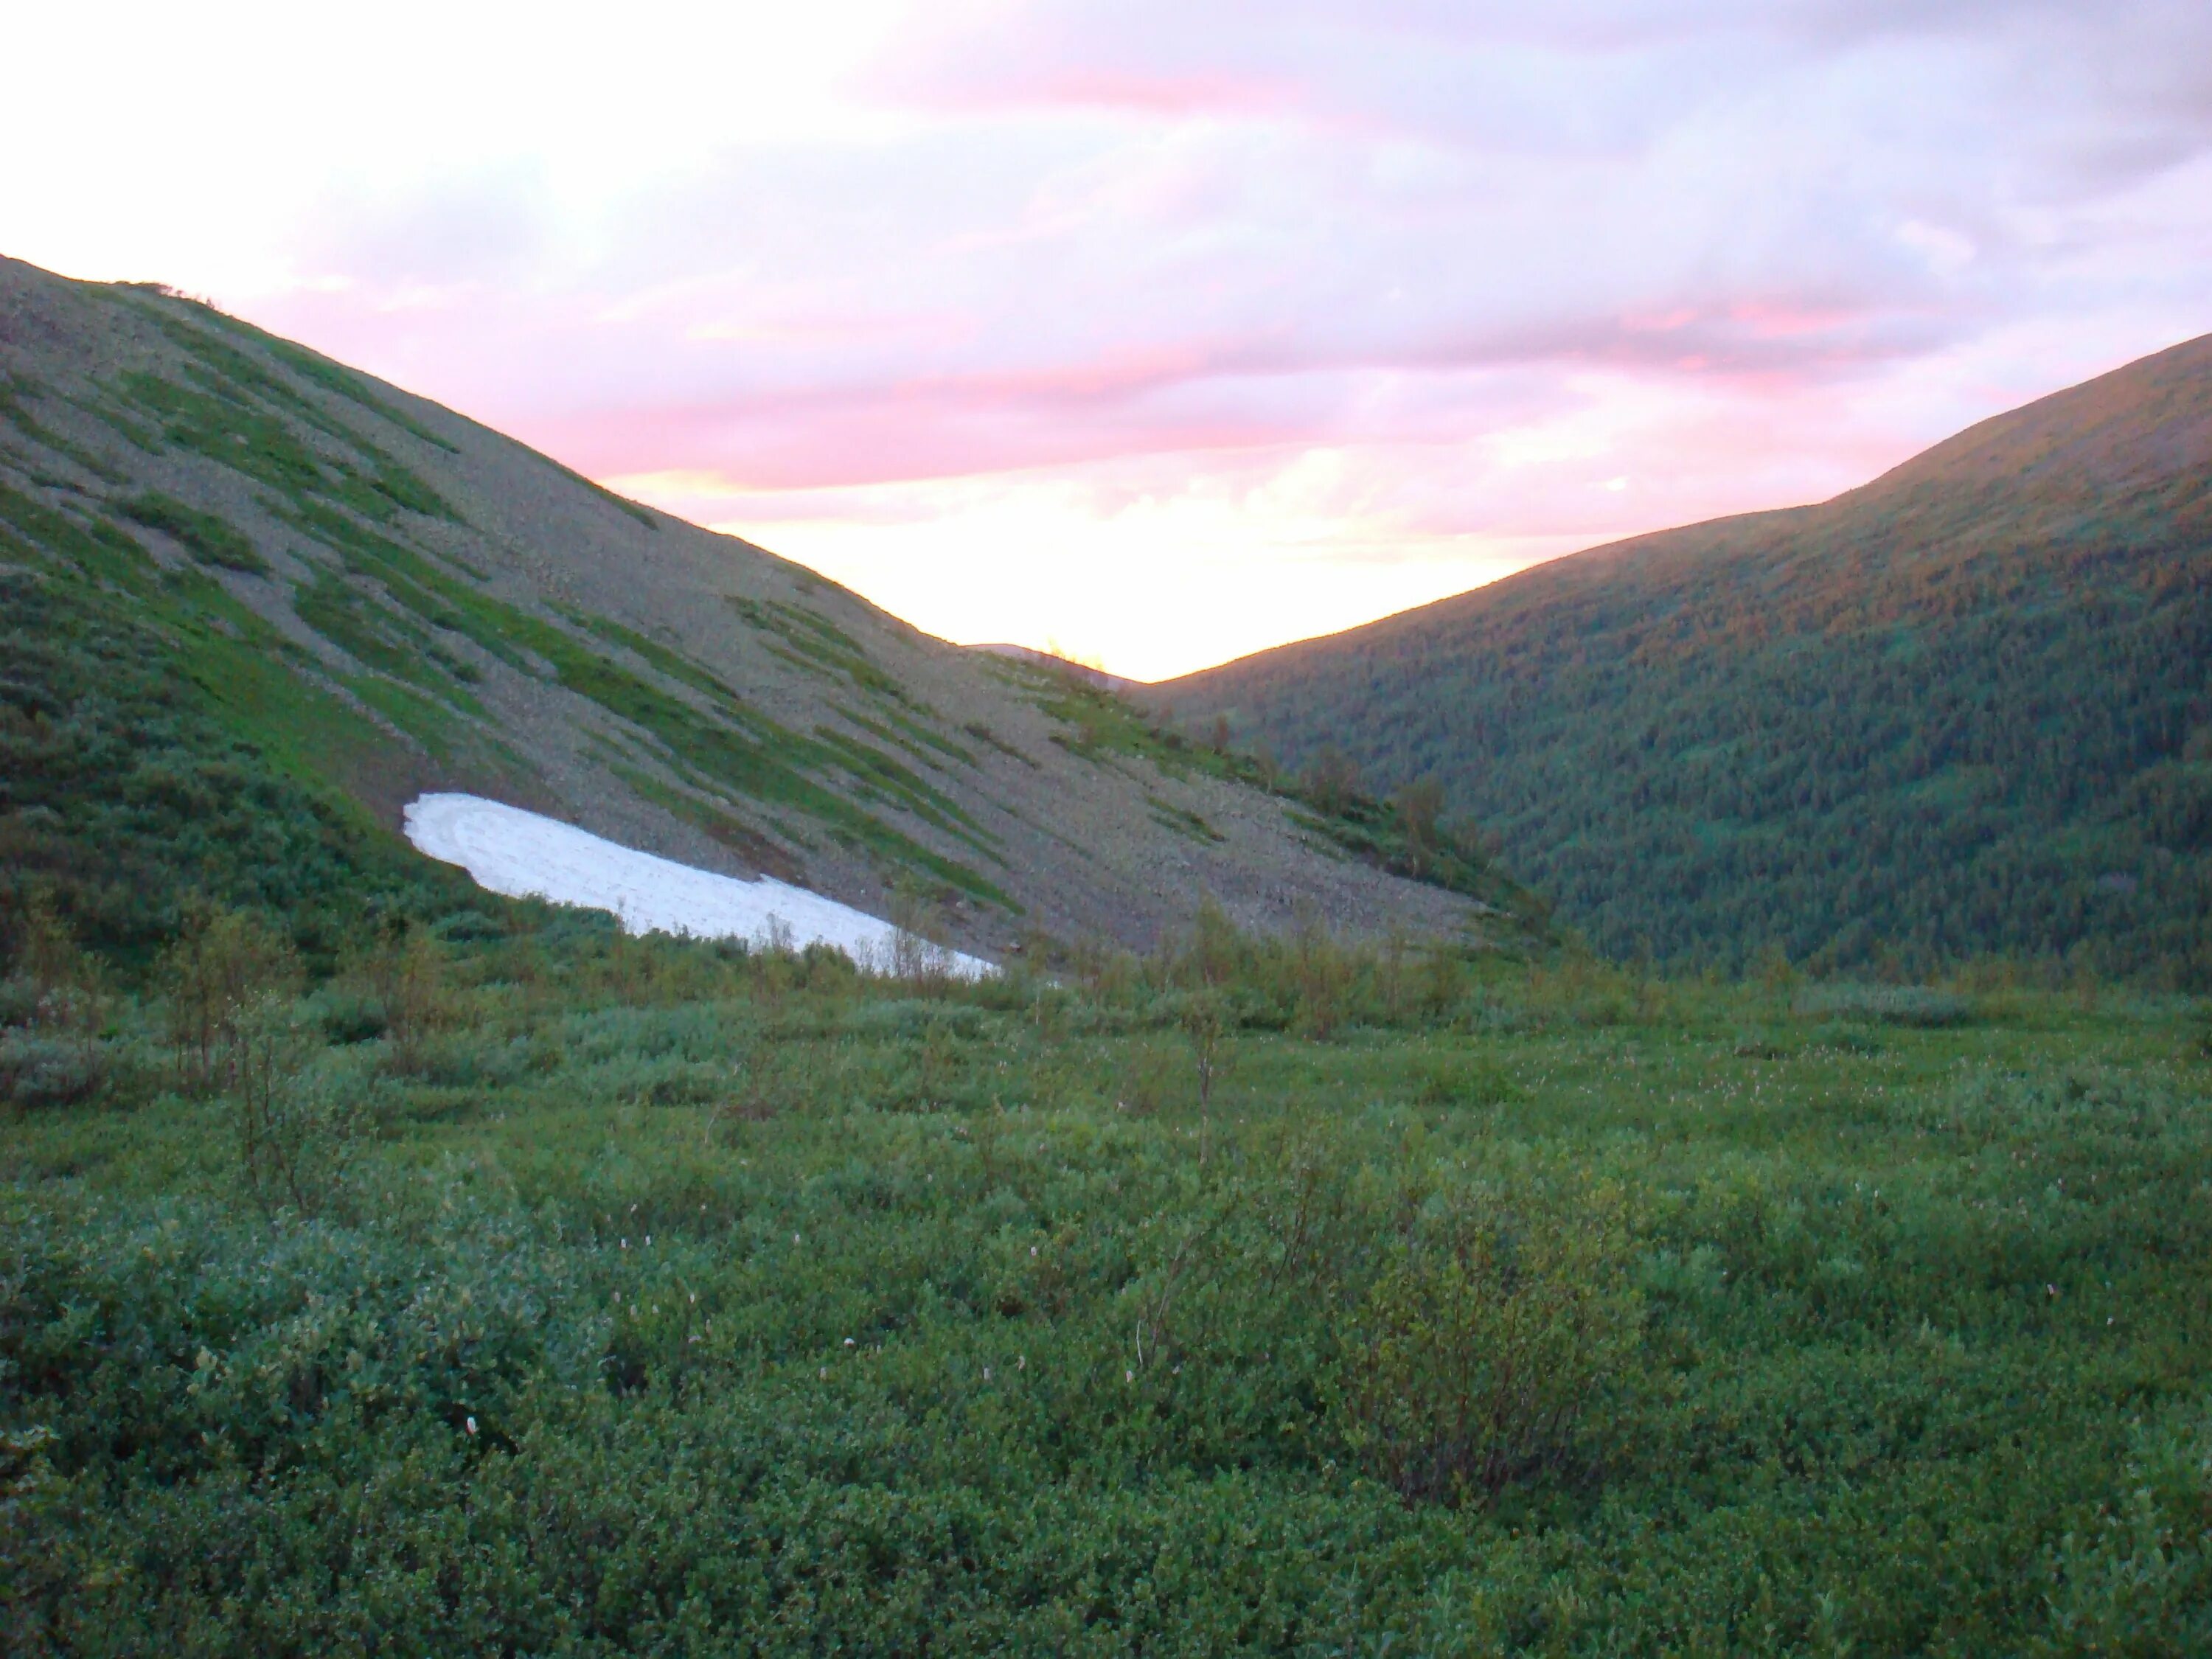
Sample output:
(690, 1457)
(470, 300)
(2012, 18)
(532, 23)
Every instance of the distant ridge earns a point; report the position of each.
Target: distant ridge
(1965, 709)
(1082, 671)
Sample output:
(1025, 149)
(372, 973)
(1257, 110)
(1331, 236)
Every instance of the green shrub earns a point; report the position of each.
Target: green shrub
(1459, 1082)
(301, 1119)
(1493, 1336)
(350, 1017)
(38, 1070)
(766, 1080)
(62, 995)
(223, 962)
(408, 973)
(468, 926)
(1888, 1005)
(19, 1000)
(464, 1060)
(2077, 1105)
(1844, 1037)
(905, 1018)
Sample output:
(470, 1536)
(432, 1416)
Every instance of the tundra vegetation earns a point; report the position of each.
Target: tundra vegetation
(481, 1278)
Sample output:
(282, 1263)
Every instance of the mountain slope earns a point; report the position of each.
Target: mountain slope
(305, 583)
(1966, 708)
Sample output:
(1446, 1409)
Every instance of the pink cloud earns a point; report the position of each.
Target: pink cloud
(1720, 253)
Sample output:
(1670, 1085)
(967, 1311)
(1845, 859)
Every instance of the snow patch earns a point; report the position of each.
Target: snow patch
(527, 856)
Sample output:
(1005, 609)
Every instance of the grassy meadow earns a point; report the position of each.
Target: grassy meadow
(508, 1285)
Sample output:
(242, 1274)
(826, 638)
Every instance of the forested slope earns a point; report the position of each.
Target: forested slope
(1964, 709)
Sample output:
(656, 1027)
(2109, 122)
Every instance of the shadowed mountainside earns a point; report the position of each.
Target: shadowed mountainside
(1965, 709)
(300, 580)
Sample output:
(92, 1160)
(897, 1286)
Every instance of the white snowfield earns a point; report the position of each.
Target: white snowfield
(527, 855)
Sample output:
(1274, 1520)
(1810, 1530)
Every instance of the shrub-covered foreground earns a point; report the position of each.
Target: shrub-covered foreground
(538, 1290)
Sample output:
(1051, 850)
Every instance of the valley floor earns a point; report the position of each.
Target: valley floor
(634, 1296)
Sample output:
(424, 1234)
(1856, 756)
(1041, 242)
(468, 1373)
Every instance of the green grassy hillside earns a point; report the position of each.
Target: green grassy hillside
(1965, 709)
(283, 571)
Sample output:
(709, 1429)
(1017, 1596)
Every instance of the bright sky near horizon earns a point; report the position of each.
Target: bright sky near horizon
(1158, 331)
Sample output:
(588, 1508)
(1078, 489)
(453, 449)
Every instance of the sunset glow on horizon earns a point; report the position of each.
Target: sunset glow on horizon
(1162, 333)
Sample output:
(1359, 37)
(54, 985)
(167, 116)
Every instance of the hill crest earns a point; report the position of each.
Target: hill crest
(1961, 708)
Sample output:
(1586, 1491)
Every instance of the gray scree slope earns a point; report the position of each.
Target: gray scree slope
(510, 628)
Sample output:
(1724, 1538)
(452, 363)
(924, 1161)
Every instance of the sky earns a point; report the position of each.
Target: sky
(1158, 333)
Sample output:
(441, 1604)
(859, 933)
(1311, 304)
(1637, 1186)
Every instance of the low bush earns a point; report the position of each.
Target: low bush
(349, 1016)
(223, 964)
(300, 1116)
(1496, 1332)
(19, 1000)
(1889, 1005)
(38, 1070)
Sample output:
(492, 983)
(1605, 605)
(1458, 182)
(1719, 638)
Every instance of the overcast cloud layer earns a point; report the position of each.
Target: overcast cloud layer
(1162, 331)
